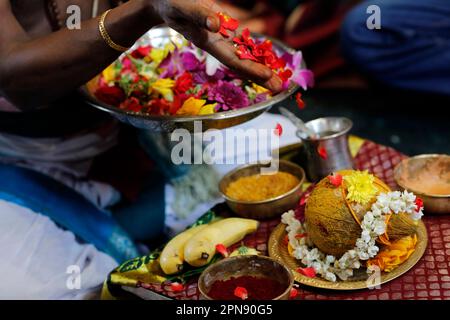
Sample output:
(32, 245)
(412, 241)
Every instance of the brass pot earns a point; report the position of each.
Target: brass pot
(422, 173)
(265, 209)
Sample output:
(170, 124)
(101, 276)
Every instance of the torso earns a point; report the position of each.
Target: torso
(68, 115)
(36, 17)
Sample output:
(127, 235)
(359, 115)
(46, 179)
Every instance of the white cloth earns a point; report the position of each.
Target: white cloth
(267, 121)
(39, 260)
(65, 159)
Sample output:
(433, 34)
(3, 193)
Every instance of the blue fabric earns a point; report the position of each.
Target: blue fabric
(412, 48)
(144, 218)
(66, 208)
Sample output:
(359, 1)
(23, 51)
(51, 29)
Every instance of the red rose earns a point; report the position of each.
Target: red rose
(183, 83)
(158, 106)
(132, 104)
(113, 96)
(141, 52)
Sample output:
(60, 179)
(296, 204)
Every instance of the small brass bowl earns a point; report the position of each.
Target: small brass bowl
(251, 265)
(428, 177)
(269, 208)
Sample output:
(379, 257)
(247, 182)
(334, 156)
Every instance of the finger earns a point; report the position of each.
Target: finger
(226, 53)
(204, 17)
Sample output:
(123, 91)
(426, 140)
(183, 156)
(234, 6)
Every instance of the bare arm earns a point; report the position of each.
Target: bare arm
(36, 72)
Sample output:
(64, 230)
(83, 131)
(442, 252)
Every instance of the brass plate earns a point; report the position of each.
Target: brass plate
(279, 252)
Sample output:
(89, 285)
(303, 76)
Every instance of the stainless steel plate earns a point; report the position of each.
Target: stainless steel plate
(158, 37)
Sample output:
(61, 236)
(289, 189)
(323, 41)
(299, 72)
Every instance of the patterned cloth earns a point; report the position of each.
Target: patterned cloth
(429, 279)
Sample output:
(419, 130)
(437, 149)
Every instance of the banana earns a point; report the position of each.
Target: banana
(200, 249)
(172, 257)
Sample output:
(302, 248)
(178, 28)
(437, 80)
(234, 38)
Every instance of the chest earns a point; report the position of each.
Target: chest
(40, 18)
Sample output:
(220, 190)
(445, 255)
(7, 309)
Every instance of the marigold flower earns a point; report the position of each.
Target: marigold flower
(191, 107)
(360, 187)
(395, 254)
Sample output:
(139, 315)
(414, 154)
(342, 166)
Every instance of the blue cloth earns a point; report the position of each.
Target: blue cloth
(66, 208)
(412, 48)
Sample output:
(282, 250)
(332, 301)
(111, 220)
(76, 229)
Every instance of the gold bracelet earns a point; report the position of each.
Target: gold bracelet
(105, 35)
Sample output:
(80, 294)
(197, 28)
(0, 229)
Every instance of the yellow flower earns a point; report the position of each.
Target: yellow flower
(163, 87)
(360, 187)
(395, 254)
(157, 55)
(259, 89)
(109, 74)
(191, 107)
(207, 109)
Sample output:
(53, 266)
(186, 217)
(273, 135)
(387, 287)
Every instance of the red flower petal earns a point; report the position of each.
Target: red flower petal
(227, 23)
(241, 292)
(335, 179)
(278, 130)
(322, 152)
(141, 52)
(220, 248)
(300, 102)
(285, 75)
(307, 272)
(419, 204)
(286, 240)
(304, 198)
(110, 95)
(301, 235)
(176, 287)
(293, 293)
(224, 32)
(243, 53)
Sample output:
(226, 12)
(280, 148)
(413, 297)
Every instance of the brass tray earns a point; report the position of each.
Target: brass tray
(279, 252)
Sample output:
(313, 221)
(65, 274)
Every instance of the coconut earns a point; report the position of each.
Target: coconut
(331, 226)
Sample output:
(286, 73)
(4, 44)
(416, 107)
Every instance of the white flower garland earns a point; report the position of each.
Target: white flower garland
(373, 226)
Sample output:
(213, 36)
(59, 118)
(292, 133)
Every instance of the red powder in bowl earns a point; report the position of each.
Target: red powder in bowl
(257, 288)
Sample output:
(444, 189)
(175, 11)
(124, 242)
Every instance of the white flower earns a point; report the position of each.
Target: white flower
(368, 218)
(365, 236)
(417, 215)
(379, 227)
(408, 196)
(372, 251)
(364, 256)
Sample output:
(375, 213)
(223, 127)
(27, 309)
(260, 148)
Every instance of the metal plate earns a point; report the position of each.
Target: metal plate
(158, 37)
(279, 252)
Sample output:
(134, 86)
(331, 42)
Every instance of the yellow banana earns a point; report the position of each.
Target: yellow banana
(200, 249)
(172, 257)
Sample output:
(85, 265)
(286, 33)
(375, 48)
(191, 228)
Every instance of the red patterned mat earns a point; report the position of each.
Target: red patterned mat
(429, 279)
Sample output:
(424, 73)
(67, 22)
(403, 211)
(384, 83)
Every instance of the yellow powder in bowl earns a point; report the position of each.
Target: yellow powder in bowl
(261, 187)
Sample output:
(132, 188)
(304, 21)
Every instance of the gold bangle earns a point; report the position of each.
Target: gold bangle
(105, 35)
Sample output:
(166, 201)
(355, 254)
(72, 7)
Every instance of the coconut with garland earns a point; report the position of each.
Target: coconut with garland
(353, 220)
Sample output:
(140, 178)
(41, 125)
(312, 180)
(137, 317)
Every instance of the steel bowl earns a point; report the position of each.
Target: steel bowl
(427, 176)
(158, 37)
(266, 209)
(251, 265)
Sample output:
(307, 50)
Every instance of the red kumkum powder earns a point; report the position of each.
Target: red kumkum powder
(257, 288)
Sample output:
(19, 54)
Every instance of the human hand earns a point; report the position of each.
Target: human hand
(197, 20)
